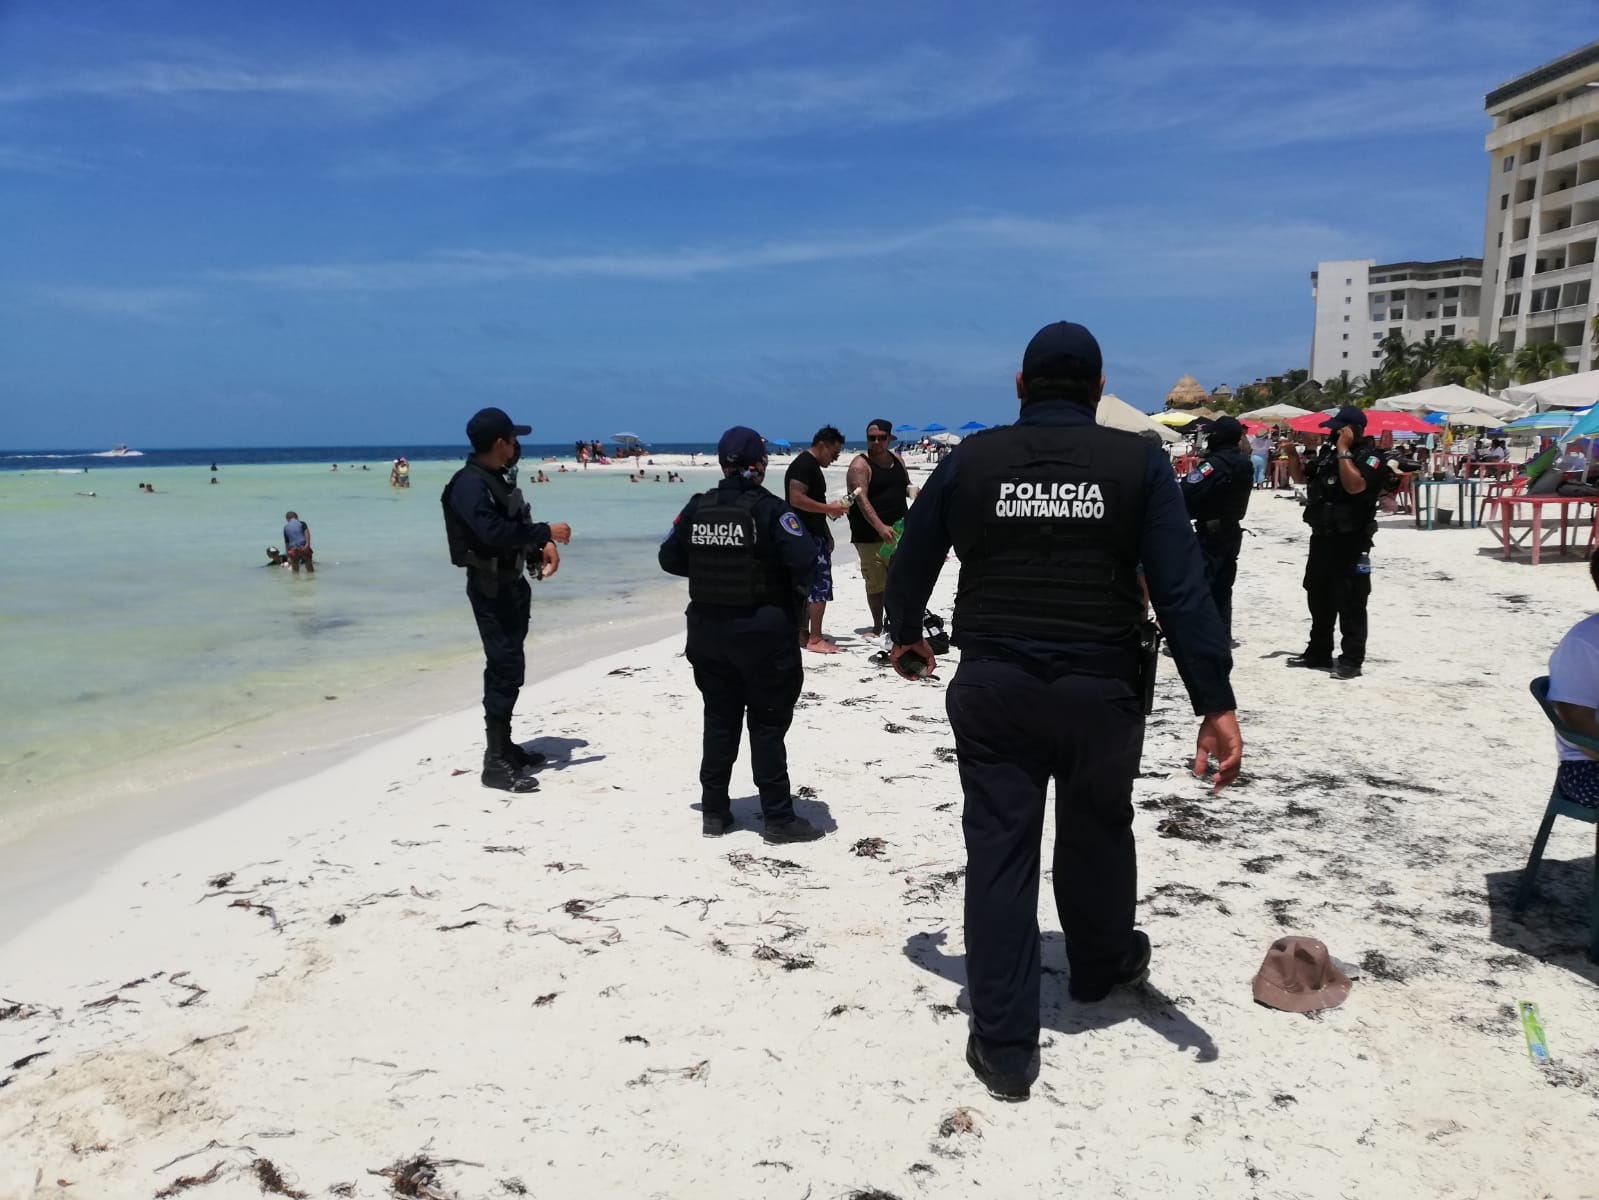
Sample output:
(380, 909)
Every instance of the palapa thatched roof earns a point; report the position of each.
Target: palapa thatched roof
(1221, 394)
(1186, 393)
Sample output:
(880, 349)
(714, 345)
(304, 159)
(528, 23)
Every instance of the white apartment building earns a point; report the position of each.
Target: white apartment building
(1360, 301)
(1543, 207)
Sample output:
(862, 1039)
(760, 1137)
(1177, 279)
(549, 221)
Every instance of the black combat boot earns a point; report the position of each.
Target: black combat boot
(522, 758)
(499, 769)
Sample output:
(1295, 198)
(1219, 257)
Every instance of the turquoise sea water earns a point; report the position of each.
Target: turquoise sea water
(131, 624)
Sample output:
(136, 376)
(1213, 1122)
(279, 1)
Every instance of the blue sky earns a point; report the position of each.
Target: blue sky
(233, 223)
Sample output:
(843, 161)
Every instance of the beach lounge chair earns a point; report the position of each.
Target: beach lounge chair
(1559, 806)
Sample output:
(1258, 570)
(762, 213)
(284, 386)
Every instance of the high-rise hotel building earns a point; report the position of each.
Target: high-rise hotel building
(1361, 301)
(1539, 268)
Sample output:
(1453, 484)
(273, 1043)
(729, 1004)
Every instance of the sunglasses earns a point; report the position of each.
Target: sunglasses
(877, 437)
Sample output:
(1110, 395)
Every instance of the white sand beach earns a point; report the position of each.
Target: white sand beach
(574, 994)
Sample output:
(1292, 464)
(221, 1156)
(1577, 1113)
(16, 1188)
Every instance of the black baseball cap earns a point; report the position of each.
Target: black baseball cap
(740, 447)
(492, 424)
(1226, 428)
(1063, 350)
(1347, 415)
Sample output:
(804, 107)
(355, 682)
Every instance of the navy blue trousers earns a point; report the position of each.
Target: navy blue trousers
(1014, 732)
(502, 624)
(749, 673)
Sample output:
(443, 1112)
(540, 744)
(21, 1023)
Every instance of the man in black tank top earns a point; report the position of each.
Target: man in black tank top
(881, 487)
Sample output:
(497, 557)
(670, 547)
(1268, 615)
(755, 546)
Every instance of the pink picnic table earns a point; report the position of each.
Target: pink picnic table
(1508, 504)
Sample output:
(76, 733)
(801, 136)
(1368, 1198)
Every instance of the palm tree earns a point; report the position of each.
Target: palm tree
(1476, 365)
(1540, 360)
(1339, 390)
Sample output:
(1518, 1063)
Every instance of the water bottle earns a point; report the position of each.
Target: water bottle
(1363, 565)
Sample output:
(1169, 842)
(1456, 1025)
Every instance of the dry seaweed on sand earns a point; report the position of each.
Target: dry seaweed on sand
(930, 887)
(789, 962)
(266, 910)
(699, 1071)
(184, 1182)
(272, 1181)
(747, 863)
(962, 1120)
(419, 1176)
(872, 847)
(872, 1194)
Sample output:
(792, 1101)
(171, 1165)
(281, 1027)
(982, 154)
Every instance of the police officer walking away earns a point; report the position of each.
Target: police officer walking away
(1216, 494)
(1343, 483)
(749, 563)
(492, 535)
(1051, 517)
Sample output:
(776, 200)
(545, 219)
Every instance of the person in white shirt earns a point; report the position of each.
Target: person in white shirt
(1574, 692)
(1259, 453)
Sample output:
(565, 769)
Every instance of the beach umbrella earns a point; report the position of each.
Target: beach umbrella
(781, 443)
(1555, 421)
(935, 427)
(1173, 419)
(1115, 413)
(624, 437)
(947, 439)
(905, 429)
(1278, 412)
(1563, 391)
(1450, 398)
(971, 427)
(1377, 422)
(1472, 419)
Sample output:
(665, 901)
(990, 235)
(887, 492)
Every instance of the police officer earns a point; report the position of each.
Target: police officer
(1051, 517)
(1216, 494)
(749, 563)
(492, 535)
(1343, 483)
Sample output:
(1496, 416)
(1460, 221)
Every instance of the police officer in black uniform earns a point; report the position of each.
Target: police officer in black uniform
(749, 563)
(1051, 518)
(1343, 483)
(1216, 494)
(493, 536)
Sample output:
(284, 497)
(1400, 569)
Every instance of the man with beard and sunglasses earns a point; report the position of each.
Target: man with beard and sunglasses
(882, 490)
(493, 535)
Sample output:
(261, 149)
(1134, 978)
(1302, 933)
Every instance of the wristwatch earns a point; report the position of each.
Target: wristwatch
(1346, 454)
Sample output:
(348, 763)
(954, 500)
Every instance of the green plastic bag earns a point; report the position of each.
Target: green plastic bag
(886, 550)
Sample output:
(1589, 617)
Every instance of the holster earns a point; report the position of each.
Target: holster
(1149, 639)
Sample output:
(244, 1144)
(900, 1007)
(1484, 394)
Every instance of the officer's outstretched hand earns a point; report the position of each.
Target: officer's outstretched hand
(921, 648)
(561, 532)
(552, 563)
(1221, 744)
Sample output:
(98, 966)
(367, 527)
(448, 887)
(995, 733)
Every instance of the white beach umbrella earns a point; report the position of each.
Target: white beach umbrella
(1274, 412)
(1115, 413)
(1450, 398)
(1563, 391)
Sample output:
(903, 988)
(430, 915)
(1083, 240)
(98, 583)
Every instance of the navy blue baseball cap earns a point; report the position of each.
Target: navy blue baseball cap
(740, 447)
(1063, 350)
(1347, 415)
(1225, 429)
(492, 424)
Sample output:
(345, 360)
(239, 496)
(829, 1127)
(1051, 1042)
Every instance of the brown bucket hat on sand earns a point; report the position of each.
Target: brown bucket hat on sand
(1299, 976)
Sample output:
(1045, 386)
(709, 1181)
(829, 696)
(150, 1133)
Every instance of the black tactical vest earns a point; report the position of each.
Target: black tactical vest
(729, 563)
(1229, 499)
(1330, 509)
(465, 549)
(1048, 531)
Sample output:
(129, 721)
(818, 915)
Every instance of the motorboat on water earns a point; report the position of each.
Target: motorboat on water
(119, 451)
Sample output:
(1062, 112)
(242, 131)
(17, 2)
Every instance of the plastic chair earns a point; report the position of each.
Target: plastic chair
(1559, 806)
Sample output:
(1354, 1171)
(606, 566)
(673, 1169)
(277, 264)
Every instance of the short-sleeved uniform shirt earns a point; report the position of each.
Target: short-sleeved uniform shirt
(1574, 676)
(808, 472)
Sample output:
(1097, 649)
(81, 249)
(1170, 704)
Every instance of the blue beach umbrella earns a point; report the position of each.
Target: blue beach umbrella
(781, 443)
(905, 429)
(935, 427)
(1553, 421)
(971, 427)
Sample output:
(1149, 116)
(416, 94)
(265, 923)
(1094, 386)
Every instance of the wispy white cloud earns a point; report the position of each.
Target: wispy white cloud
(40, 160)
(369, 85)
(1123, 250)
(152, 303)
